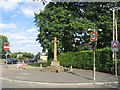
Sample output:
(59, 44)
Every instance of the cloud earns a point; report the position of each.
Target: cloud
(17, 0)
(8, 5)
(18, 36)
(29, 8)
(13, 16)
(33, 45)
(14, 36)
(8, 26)
(25, 41)
(31, 30)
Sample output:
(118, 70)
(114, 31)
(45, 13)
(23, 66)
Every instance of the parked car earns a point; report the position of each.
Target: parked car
(26, 60)
(33, 60)
(15, 60)
(11, 61)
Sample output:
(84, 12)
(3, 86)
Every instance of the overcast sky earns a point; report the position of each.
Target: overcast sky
(17, 24)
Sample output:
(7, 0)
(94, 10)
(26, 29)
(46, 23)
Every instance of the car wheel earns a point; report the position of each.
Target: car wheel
(12, 62)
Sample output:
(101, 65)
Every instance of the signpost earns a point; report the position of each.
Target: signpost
(115, 48)
(94, 38)
(6, 47)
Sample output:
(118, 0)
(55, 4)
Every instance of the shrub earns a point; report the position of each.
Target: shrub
(84, 59)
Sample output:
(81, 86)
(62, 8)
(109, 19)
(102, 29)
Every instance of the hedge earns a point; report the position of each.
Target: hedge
(84, 60)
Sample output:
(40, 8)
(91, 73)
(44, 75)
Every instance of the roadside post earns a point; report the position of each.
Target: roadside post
(115, 42)
(6, 47)
(94, 38)
(115, 48)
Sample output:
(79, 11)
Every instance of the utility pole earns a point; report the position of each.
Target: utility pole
(115, 39)
(113, 53)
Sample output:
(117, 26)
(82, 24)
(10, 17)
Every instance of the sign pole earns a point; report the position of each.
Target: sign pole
(94, 65)
(6, 58)
(94, 60)
(113, 54)
(115, 64)
(94, 54)
(6, 47)
(116, 53)
(94, 38)
(115, 39)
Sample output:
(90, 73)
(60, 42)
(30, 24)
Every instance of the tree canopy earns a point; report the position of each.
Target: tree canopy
(69, 21)
(25, 55)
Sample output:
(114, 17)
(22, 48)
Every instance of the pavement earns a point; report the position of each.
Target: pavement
(75, 77)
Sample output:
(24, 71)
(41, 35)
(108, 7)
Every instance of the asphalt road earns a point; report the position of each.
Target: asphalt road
(8, 84)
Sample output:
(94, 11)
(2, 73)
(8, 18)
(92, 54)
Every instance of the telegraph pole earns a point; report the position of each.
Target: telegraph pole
(115, 40)
(113, 53)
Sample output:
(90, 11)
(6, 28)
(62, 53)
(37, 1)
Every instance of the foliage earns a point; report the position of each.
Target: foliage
(3, 41)
(84, 59)
(102, 16)
(25, 55)
(69, 20)
(60, 22)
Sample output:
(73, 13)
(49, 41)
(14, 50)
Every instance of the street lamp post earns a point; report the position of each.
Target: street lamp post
(94, 37)
(115, 38)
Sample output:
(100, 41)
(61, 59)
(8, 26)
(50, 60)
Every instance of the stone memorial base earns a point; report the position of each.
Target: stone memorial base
(55, 63)
(55, 67)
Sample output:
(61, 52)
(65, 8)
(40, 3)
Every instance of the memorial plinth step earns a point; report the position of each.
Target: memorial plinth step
(55, 63)
(54, 69)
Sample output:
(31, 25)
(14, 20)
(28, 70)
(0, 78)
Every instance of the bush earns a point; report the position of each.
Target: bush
(84, 59)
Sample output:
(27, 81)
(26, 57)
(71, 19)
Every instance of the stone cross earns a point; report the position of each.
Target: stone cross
(55, 48)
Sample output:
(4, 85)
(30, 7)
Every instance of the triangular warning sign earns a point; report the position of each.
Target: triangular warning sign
(115, 44)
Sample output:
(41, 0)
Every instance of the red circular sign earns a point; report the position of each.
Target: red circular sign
(6, 47)
(93, 36)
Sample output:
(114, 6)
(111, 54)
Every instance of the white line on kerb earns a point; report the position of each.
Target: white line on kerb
(45, 83)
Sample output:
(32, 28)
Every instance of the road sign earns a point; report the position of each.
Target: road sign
(115, 46)
(93, 36)
(6, 47)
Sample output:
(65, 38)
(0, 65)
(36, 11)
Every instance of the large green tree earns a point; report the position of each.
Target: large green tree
(70, 22)
(57, 20)
(101, 14)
